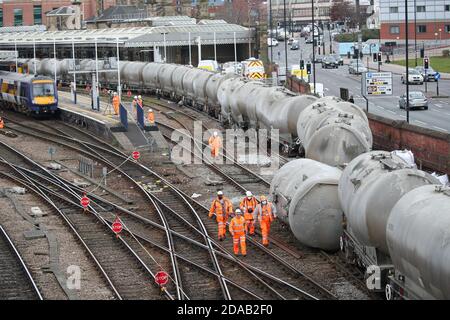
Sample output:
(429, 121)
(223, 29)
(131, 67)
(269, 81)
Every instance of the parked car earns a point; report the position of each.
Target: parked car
(318, 57)
(272, 42)
(295, 45)
(309, 40)
(329, 62)
(429, 75)
(416, 100)
(339, 59)
(413, 77)
(356, 68)
(290, 41)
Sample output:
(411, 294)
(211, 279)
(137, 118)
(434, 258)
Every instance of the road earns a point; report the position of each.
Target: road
(437, 116)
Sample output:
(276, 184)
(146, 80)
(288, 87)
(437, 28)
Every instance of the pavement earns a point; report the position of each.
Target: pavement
(437, 117)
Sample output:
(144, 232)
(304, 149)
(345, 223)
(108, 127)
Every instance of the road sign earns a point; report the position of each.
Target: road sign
(161, 278)
(377, 83)
(117, 226)
(136, 155)
(85, 202)
(437, 76)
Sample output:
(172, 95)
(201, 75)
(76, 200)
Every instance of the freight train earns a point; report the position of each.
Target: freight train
(383, 213)
(32, 95)
(328, 130)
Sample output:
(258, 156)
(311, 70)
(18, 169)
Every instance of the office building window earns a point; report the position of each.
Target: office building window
(1, 17)
(447, 7)
(18, 17)
(394, 30)
(393, 9)
(421, 29)
(37, 14)
(447, 28)
(421, 8)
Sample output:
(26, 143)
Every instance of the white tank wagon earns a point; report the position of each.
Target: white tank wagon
(333, 132)
(369, 188)
(418, 237)
(177, 81)
(305, 193)
(212, 92)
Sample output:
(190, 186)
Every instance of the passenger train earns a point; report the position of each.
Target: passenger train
(29, 94)
(382, 212)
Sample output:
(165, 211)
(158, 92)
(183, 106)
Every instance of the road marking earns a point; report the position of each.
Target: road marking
(421, 122)
(402, 116)
(391, 111)
(326, 89)
(436, 111)
(438, 105)
(381, 107)
(439, 128)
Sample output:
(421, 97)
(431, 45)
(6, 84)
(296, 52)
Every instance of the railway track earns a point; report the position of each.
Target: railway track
(289, 284)
(121, 267)
(16, 281)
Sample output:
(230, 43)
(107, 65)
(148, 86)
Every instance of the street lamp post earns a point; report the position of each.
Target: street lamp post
(34, 55)
(415, 31)
(165, 48)
(16, 54)
(235, 49)
(190, 51)
(54, 57)
(74, 74)
(285, 41)
(271, 30)
(119, 87)
(314, 46)
(215, 49)
(407, 60)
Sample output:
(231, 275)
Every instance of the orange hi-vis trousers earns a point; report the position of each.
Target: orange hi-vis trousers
(250, 223)
(239, 238)
(265, 230)
(222, 227)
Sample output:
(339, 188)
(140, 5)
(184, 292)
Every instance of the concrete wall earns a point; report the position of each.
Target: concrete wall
(431, 148)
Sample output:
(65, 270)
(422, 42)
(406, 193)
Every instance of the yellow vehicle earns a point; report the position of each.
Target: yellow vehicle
(210, 65)
(296, 71)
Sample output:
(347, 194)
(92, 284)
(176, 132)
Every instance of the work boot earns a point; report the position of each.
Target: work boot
(244, 255)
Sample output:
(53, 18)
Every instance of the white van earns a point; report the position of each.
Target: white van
(210, 65)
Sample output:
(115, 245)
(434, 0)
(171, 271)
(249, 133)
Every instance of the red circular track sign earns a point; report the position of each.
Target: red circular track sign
(161, 278)
(117, 226)
(136, 155)
(85, 202)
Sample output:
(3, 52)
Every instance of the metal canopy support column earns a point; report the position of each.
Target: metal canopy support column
(190, 50)
(235, 50)
(34, 55)
(215, 49)
(74, 88)
(54, 57)
(16, 54)
(119, 86)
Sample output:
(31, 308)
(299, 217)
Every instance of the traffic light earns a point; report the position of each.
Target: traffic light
(308, 68)
(380, 58)
(302, 64)
(426, 63)
(375, 57)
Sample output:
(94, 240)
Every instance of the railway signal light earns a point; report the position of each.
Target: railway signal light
(308, 68)
(426, 63)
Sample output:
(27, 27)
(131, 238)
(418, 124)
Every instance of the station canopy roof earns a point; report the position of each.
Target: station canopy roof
(176, 35)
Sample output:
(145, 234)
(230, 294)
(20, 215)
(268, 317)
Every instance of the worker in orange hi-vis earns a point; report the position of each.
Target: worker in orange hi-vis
(238, 231)
(2, 123)
(215, 142)
(265, 213)
(222, 208)
(248, 206)
(116, 103)
(151, 117)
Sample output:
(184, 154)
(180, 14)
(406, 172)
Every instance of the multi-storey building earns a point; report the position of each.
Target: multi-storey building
(430, 21)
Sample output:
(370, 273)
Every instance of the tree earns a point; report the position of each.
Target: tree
(342, 11)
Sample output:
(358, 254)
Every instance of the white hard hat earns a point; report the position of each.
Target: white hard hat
(220, 193)
(135, 97)
(249, 194)
(238, 211)
(150, 110)
(215, 133)
(139, 97)
(115, 93)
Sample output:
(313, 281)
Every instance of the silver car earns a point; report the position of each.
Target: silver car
(358, 68)
(416, 100)
(429, 75)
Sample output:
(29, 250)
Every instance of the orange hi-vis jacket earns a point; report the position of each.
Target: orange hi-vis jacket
(151, 117)
(221, 212)
(246, 204)
(116, 103)
(265, 212)
(2, 124)
(237, 225)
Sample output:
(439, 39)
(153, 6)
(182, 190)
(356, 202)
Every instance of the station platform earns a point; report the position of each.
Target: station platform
(105, 125)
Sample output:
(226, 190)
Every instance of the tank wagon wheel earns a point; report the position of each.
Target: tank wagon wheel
(389, 292)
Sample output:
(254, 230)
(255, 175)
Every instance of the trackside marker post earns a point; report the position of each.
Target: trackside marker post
(117, 226)
(136, 155)
(161, 278)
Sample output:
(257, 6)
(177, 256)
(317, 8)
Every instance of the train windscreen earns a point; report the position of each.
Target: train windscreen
(43, 89)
